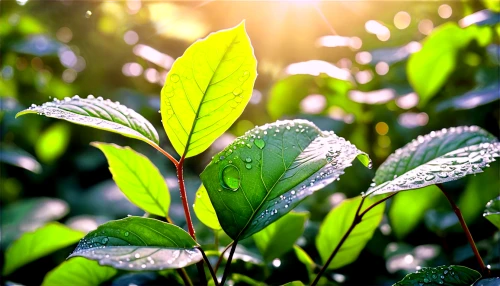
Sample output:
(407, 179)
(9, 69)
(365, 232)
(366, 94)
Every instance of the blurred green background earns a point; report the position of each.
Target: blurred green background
(378, 73)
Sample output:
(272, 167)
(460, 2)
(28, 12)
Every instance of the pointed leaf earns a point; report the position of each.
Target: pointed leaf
(137, 243)
(137, 178)
(207, 89)
(438, 157)
(492, 211)
(100, 114)
(41, 242)
(441, 275)
(264, 174)
(204, 209)
(336, 224)
(79, 272)
(279, 237)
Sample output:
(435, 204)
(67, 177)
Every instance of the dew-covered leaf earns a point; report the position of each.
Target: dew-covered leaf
(207, 89)
(279, 237)
(79, 272)
(20, 158)
(441, 275)
(492, 211)
(41, 242)
(137, 178)
(100, 114)
(336, 224)
(435, 158)
(265, 173)
(137, 243)
(204, 209)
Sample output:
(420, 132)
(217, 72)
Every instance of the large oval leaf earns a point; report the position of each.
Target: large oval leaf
(79, 272)
(264, 174)
(492, 211)
(100, 114)
(207, 89)
(441, 275)
(137, 178)
(438, 157)
(137, 243)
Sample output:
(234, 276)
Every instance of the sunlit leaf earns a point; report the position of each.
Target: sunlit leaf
(204, 209)
(79, 272)
(20, 158)
(207, 89)
(100, 114)
(408, 209)
(336, 224)
(441, 275)
(279, 237)
(438, 157)
(471, 99)
(53, 142)
(264, 174)
(136, 243)
(138, 178)
(492, 211)
(41, 242)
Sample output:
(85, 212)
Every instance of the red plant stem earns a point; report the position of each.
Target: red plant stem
(185, 204)
(165, 153)
(458, 213)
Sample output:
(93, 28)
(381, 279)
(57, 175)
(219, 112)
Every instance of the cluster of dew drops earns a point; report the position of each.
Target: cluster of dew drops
(435, 275)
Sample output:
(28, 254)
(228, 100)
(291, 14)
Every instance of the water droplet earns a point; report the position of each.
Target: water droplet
(137, 255)
(126, 233)
(260, 143)
(143, 266)
(174, 78)
(248, 166)
(237, 91)
(248, 160)
(230, 177)
(88, 14)
(429, 177)
(426, 280)
(104, 240)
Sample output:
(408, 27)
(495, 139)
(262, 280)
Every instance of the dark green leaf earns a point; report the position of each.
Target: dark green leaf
(20, 158)
(336, 224)
(264, 174)
(438, 157)
(279, 237)
(100, 114)
(41, 242)
(207, 89)
(137, 178)
(441, 275)
(492, 211)
(79, 272)
(204, 209)
(136, 243)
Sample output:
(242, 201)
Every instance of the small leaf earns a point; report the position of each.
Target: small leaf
(136, 243)
(100, 114)
(435, 158)
(207, 89)
(336, 224)
(79, 272)
(19, 158)
(492, 211)
(53, 142)
(279, 237)
(441, 275)
(137, 178)
(204, 209)
(264, 174)
(41, 242)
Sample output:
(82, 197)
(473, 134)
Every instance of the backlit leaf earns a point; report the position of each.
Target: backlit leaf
(79, 272)
(53, 142)
(137, 178)
(137, 243)
(442, 275)
(207, 89)
(204, 209)
(435, 158)
(492, 211)
(265, 173)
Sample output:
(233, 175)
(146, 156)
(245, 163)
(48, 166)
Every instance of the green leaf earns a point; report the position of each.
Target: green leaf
(79, 272)
(265, 173)
(279, 237)
(137, 178)
(492, 211)
(408, 209)
(53, 142)
(441, 275)
(137, 243)
(19, 158)
(435, 158)
(336, 224)
(100, 114)
(41, 242)
(294, 283)
(492, 5)
(207, 89)
(204, 209)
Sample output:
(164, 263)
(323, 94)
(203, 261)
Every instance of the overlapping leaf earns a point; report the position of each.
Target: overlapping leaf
(492, 211)
(264, 174)
(204, 209)
(442, 275)
(438, 157)
(79, 272)
(207, 89)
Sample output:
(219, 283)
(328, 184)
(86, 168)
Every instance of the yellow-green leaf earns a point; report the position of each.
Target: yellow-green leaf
(204, 209)
(79, 272)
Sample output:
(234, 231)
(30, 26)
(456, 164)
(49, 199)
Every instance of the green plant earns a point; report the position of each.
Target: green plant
(249, 188)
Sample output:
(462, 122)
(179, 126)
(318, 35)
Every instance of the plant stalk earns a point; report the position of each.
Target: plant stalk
(228, 264)
(458, 213)
(170, 157)
(185, 277)
(222, 256)
(212, 272)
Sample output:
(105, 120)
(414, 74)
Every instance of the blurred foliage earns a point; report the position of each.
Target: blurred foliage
(362, 69)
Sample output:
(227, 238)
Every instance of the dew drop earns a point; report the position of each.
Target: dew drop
(143, 266)
(126, 233)
(248, 160)
(230, 177)
(174, 78)
(104, 240)
(429, 178)
(260, 143)
(248, 166)
(237, 91)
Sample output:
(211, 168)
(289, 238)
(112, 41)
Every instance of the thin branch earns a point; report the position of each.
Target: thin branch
(228, 264)
(184, 276)
(214, 277)
(165, 153)
(185, 204)
(222, 256)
